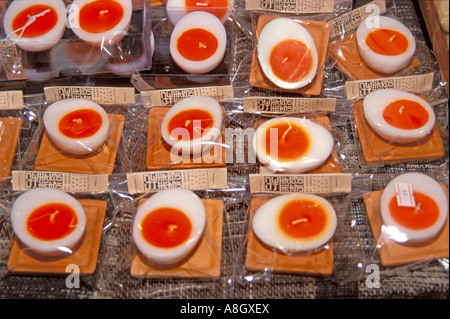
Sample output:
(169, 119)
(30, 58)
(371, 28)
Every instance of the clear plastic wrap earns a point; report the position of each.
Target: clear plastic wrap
(66, 38)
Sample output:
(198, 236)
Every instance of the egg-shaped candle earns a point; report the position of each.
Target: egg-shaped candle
(295, 222)
(100, 22)
(385, 44)
(193, 125)
(176, 9)
(76, 126)
(287, 54)
(35, 25)
(292, 145)
(48, 221)
(168, 225)
(414, 208)
(398, 116)
(198, 42)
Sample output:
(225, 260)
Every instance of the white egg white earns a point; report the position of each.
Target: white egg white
(199, 145)
(265, 224)
(321, 146)
(102, 39)
(176, 9)
(420, 183)
(30, 200)
(208, 22)
(181, 199)
(279, 30)
(379, 62)
(87, 145)
(43, 42)
(374, 105)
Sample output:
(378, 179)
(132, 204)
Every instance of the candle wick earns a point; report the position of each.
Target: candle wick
(201, 45)
(186, 124)
(172, 227)
(300, 220)
(400, 110)
(284, 60)
(77, 120)
(52, 216)
(102, 12)
(285, 133)
(31, 19)
(201, 4)
(392, 38)
(418, 208)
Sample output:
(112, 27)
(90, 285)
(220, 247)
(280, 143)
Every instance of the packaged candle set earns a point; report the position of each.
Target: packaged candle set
(408, 217)
(372, 42)
(289, 46)
(79, 135)
(299, 233)
(45, 39)
(55, 232)
(396, 126)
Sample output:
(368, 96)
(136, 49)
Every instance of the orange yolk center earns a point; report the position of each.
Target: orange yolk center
(40, 26)
(291, 60)
(166, 227)
(289, 140)
(195, 121)
(302, 219)
(217, 7)
(80, 123)
(100, 16)
(387, 42)
(406, 114)
(197, 44)
(52, 221)
(423, 215)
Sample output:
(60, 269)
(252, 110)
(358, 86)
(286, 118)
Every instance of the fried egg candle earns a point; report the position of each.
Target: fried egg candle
(399, 116)
(193, 125)
(414, 208)
(385, 44)
(48, 221)
(176, 9)
(35, 25)
(292, 145)
(168, 225)
(287, 54)
(198, 42)
(100, 22)
(295, 222)
(76, 126)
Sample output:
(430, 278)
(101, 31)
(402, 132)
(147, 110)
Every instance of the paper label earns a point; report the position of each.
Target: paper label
(291, 6)
(305, 183)
(11, 61)
(11, 100)
(194, 179)
(405, 195)
(288, 105)
(171, 96)
(351, 20)
(68, 182)
(100, 95)
(415, 84)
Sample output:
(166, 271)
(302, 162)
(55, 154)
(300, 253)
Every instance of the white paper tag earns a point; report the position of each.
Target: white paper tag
(405, 196)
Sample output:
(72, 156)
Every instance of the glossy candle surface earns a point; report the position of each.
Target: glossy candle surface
(177, 9)
(398, 116)
(166, 227)
(287, 54)
(295, 222)
(385, 44)
(195, 121)
(80, 123)
(198, 42)
(424, 219)
(35, 25)
(41, 26)
(291, 60)
(48, 221)
(100, 16)
(52, 221)
(292, 144)
(77, 126)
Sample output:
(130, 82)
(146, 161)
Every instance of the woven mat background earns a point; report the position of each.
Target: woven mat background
(112, 278)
